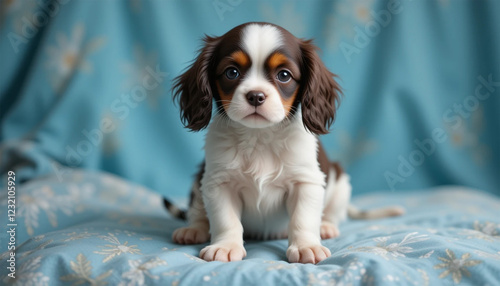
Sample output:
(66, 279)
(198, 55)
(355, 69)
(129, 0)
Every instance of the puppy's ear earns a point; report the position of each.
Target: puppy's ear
(193, 88)
(320, 94)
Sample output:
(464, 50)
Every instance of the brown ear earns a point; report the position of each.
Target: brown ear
(193, 91)
(320, 94)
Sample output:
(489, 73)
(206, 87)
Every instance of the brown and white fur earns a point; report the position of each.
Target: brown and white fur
(265, 173)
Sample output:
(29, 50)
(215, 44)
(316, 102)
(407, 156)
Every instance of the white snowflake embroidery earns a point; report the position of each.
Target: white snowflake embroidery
(455, 266)
(353, 272)
(78, 235)
(393, 250)
(116, 248)
(140, 270)
(46, 200)
(69, 54)
(42, 199)
(82, 269)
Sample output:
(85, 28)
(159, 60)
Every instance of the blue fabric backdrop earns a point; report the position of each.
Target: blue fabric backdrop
(421, 81)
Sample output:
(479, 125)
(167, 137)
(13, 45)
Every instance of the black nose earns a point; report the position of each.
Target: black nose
(255, 97)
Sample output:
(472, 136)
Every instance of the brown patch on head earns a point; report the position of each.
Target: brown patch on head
(241, 59)
(275, 60)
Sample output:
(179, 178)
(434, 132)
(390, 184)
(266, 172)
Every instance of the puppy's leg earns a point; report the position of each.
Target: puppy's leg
(304, 205)
(338, 195)
(198, 229)
(224, 212)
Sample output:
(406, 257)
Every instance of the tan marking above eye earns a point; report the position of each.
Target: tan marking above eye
(240, 58)
(275, 60)
(225, 98)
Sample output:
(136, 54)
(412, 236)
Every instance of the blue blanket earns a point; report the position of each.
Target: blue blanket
(420, 80)
(95, 228)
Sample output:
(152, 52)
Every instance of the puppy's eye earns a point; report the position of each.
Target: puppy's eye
(232, 73)
(284, 76)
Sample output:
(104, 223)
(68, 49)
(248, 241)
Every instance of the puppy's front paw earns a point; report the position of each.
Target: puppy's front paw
(307, 254)
(329, 230)
(190, 235)
(224, 252)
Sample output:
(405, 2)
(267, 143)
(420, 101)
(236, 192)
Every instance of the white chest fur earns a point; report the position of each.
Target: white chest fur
(261, 166)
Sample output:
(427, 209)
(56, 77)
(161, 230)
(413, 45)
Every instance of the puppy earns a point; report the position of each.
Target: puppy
(265, 174)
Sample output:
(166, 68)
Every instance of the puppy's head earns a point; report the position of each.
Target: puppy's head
(258, 74)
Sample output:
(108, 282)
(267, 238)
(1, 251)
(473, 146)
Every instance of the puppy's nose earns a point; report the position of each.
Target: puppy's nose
(256, 97)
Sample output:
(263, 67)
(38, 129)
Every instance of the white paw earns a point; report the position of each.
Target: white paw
(224, 252)
(191, 235)
(329, 230)
(307, 254)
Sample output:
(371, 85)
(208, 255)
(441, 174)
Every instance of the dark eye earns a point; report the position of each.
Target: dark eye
(232, 73)
(284, 76)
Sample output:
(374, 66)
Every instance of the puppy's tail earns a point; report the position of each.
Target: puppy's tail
(174, 210)
(356, 213)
